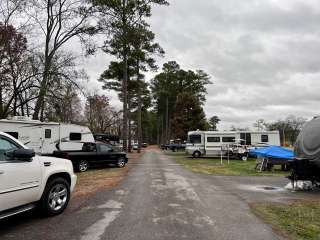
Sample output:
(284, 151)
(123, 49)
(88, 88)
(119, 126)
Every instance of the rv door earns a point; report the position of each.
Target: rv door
(245, 138)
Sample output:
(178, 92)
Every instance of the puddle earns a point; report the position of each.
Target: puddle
(261, 188)
(270, 188)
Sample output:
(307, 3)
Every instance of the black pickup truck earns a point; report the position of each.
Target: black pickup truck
(94, 154)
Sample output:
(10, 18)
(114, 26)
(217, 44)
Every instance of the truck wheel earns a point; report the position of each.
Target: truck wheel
(121, 162)
(83, 166)
(55, 197)
(196, 154)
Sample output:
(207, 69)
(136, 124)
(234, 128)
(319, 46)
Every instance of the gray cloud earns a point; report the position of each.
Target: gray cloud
(263, 55)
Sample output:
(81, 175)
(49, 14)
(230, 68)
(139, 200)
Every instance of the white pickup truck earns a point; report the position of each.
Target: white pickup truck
(28, 181)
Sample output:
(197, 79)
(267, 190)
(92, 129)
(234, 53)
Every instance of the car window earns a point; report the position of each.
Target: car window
(6, 146)
(105, 148)
(89, 147)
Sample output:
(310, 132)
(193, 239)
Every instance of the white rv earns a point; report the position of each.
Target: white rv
(46, 137)
(214, 143)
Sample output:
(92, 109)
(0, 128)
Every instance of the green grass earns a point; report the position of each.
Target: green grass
(213, 166)
(298, 220)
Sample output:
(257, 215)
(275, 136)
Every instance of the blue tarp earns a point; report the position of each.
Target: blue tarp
(272, 152)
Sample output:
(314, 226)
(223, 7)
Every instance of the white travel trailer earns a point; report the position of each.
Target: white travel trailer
(213, 143)
(47, 137)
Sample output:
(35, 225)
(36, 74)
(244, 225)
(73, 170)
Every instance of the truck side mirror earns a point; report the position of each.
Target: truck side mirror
(21, 154)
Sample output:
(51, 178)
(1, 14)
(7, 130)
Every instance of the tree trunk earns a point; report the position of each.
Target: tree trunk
(158, 131)
(167, 120)
(125, 103)
(1, 101)
(139, 109)
(139, 121)
(42, 93)
(129, 130)
(125, 80)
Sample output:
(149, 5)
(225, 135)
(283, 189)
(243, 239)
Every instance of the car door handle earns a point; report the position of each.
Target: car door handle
(1, 172)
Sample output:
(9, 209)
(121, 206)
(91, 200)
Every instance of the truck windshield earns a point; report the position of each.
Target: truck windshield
(195, 139)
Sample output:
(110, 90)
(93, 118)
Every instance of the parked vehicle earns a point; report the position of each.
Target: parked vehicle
(107, 138)
(28, 181)
(135, 147)
(46, 137)
(144, 145)
(165, 146)
(93, 154)
(234, 143)
(177, 147)
(306, 163)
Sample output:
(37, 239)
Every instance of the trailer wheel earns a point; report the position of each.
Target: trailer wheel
(197, 154)
(244, 158)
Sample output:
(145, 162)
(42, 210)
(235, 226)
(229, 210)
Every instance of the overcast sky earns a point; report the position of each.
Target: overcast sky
(263, 55)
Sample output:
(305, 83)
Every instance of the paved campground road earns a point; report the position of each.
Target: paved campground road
(159, 200)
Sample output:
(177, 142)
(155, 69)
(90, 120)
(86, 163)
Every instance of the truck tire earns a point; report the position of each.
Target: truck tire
(83, 166)
(55, 197)
(197, 154)
(121, 162)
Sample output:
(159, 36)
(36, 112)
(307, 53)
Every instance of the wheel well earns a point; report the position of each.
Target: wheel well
(63, 175)
(197, 151)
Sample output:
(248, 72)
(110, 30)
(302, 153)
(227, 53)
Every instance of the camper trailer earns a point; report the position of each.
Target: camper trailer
(236, 143)
(46, 137)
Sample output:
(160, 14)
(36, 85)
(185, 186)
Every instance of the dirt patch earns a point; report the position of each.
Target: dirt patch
(98, 179)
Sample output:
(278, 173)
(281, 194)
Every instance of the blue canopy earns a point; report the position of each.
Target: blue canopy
(273, 152)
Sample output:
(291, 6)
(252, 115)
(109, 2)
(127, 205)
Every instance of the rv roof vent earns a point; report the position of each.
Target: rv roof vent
(21, 118)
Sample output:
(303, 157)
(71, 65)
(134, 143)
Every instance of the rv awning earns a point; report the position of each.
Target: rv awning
(273, 152)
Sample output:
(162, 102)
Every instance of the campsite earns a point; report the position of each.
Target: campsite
(159, 120)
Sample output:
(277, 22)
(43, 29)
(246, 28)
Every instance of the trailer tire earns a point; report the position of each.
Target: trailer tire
(197, 154)
(244, 158)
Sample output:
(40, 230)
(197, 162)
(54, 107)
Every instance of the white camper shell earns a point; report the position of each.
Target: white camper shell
(237, 143)
(46, 137)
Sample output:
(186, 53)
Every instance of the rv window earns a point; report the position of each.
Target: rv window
(213, 139)
(264, 138)
(195, 138)
(228, 139)
(75, 136)
(47, 133)
(13, 134)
